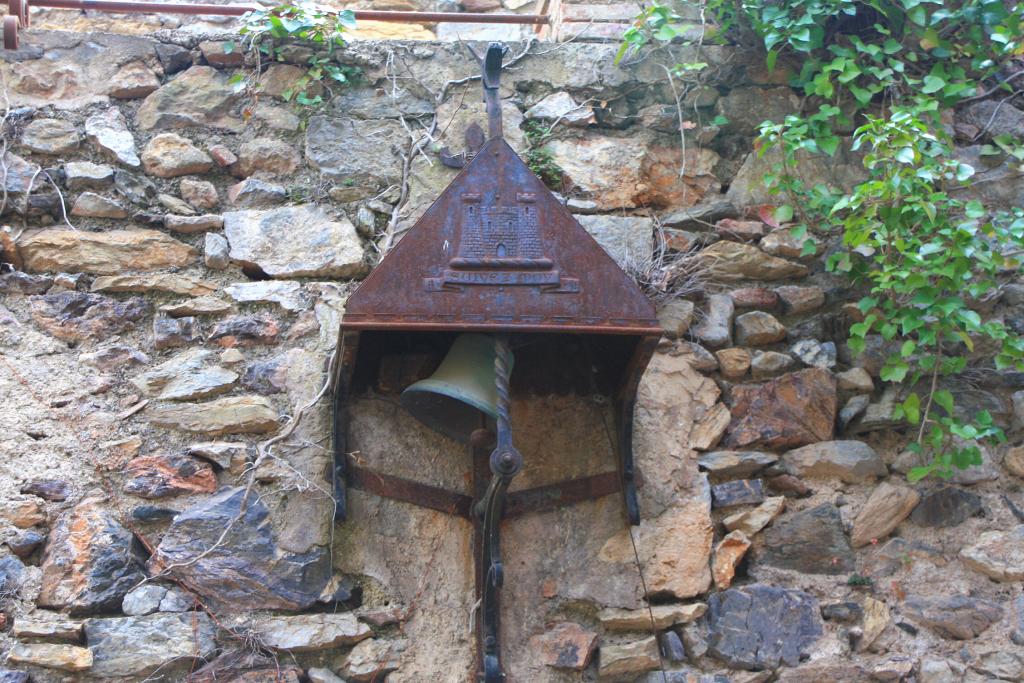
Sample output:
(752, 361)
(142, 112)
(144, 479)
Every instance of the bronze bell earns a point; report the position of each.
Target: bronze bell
(461, 392)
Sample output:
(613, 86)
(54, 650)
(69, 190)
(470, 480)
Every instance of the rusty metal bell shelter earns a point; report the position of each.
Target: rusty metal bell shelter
(496, 263)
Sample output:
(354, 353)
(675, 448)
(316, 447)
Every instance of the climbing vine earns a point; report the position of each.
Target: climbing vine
(925, 255)
(272, 32)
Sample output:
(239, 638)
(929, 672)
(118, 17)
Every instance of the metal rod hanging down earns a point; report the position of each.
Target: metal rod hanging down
(506, 463)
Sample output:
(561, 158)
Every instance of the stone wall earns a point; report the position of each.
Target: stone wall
(177, 257)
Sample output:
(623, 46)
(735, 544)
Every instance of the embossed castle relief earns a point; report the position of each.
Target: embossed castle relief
(499, 245)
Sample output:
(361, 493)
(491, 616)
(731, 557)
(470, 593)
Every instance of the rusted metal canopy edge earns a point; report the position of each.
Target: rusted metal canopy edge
(639, 329)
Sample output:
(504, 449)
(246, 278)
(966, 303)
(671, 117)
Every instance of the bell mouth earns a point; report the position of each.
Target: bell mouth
(445, 408)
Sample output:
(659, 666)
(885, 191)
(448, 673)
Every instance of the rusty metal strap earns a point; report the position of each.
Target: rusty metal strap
(562, 494)
(537, 499)
(396, 488)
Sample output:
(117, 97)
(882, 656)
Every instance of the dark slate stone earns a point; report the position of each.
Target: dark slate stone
(153, 513)
(90, 562)
(170, 332)
(261, 376)
(682, 676)
(246, 570)
(672, 647)
(48, 489)
(740, 492)
(11, 676)
(759, 627)
(1017, 635)
(846, 612)
(946, 507)
(17, 282)
(812, 541)
(957, 617)
(135, 188)
(347, 592)
(11, 570)
(243, 330)
(173, 58)
(26, 543)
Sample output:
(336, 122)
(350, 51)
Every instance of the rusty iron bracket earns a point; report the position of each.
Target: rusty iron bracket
(490, 66)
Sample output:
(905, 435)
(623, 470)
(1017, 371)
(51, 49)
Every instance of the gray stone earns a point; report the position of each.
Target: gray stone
(191, 224)
(170, 332)
(957, 617)
(733, 464)
(1017, 634)
(169, 155)
(628, 659)
(232, 415)
(886, 507)
(75, 316)
(295, 241)
(50, 136)
(997, 118)
(90, 561)
(841, 171)
(215, 251)
(853, 462)
(253, 193)
(311, 632)
(355, 149)
(199, 97)
(138, 646)
(767, 364)
(844, 612)
(741, 492)
(247, 570)
(373, 658)
(672, 648)
(287, 295)
(11, 676)
(190, 375)
(92, 205)
(812, 541)
(760, 627)
(17, 282)
(940, 671)
(1001, 664)
(747, 107)
(675, 317)
(735, 261)
(108, 132)
(380, 103)
(699, 358)
(715, 329)
(627, 239)
(135, 188)
(856, 380)
(176, 600)
(758, 328)
(560, 106)
(113, 357)
(945, 507)
(11, 574)
(245, 330)
(143, 600)
(854, 408)
(85, 175)
(999, 555)
(815, 354)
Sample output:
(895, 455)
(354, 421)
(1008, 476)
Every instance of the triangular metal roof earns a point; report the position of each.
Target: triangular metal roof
(497, 251)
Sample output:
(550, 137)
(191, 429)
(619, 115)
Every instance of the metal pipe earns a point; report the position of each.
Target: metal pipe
(238, 10)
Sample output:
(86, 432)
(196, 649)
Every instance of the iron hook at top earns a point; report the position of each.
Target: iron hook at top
(490, 76)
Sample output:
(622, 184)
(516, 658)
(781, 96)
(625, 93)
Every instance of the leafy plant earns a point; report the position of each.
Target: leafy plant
(270, 31)
(925, 257)
(539, 158)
